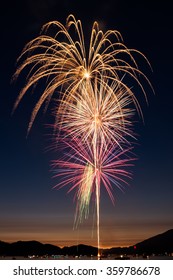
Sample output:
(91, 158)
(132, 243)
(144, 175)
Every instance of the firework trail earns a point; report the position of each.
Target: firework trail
(95, 106)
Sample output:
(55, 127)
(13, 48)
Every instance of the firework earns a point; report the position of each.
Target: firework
(77, 171)
(94, 105)
(101, 112)
(94, 126)
(66, 65)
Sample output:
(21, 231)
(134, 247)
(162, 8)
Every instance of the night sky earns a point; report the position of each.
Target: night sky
(30, 209)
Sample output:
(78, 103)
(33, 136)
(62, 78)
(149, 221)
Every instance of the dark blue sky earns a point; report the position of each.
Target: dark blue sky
(29, 206)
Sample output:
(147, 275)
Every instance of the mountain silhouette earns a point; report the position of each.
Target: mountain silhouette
(159, 244)
(80, 250)
(25, 248)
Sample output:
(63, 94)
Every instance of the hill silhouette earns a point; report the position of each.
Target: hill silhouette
(80, 250)
(159, 244)
(25, 248)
